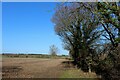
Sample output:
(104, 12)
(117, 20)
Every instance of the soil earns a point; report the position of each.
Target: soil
(40, 68)
(32, 68)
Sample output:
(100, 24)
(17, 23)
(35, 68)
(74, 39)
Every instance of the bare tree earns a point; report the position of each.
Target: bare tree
(53, 50)
(81, 25)
(78, 30)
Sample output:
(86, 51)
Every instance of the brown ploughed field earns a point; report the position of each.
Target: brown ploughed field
(40, 68)
(31, 68)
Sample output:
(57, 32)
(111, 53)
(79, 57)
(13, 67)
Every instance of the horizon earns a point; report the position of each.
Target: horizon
(32, 54)
(27, 28)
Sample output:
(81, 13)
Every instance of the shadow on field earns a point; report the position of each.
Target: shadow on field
(68, 64)
(10, 69)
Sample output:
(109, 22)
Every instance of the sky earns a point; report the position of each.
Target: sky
(0, 27)
(27, 28)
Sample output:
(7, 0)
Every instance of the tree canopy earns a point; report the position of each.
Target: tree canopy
(90, 31)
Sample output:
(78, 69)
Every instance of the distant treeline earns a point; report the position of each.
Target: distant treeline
(11, 55)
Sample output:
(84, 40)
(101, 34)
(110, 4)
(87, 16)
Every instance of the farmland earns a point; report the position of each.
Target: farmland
(41, 68)
(30, 68)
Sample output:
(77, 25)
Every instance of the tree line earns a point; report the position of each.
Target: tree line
(91, 33)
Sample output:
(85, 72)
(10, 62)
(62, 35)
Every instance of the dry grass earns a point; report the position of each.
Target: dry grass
(31, 67)
(41, 68)
(76, 73)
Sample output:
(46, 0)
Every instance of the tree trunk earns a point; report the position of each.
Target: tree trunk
(89, 67)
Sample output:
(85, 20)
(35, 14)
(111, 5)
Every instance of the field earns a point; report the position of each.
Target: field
(31, 67)
(41, 68)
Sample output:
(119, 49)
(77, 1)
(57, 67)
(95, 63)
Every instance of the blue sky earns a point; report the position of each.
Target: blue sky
(0, 27)
(27, 27)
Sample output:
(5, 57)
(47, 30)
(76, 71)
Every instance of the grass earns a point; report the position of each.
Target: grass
(1, 56)
(77, 73)
(70, 74)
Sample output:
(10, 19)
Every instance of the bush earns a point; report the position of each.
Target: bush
(109, 68)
